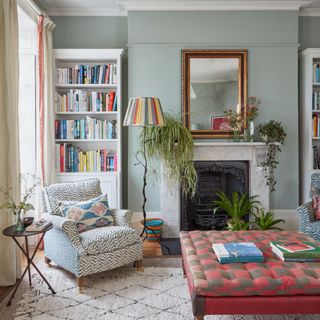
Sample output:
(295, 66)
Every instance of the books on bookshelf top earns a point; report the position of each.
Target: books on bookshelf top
(316, 73)
(237, 252)
(85, 74)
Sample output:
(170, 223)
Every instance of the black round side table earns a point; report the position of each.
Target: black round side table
(11, 232)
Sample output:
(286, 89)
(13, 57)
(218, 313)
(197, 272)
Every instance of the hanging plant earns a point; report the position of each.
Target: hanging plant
(173, 145)
(274, 135)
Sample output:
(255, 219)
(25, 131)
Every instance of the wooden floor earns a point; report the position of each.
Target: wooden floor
(150, 249)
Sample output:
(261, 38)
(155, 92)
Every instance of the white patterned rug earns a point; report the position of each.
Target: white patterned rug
(121, 294)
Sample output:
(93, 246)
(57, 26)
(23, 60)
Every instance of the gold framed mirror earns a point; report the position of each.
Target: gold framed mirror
(212, 82)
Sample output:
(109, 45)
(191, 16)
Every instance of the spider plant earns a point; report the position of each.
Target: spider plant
(237, 208)
(266, 221)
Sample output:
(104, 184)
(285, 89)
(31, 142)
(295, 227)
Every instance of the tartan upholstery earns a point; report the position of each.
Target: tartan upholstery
(207, 277)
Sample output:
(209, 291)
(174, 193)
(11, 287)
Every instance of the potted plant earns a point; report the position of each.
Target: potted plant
(237, 208)
(274, 135)
(265, 220)
(21, 207)
(235, 122)
(173, 145)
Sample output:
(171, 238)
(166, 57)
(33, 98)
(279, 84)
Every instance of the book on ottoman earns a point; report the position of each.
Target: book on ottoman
(299, 252)
(237, 252)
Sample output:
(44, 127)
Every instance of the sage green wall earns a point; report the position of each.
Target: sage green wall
(309, 32)
(90, 32)
(155, 41)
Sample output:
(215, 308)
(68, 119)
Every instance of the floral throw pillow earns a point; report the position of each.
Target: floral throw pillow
(315, 195)
(90, 214)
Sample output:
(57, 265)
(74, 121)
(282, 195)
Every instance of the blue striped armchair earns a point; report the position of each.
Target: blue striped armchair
(307, 222)
(92, 251)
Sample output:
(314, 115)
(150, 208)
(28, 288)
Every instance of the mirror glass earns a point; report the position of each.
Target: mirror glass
(212, 82)
(213, 89)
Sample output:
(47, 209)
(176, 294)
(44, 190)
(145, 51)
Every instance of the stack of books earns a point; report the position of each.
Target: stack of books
(38, 225)
(296, 251)
(237, 252)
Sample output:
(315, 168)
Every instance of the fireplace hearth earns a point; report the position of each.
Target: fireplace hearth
(213, 176)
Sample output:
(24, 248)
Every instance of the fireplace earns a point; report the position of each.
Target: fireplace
(247, 154)
(213, 176)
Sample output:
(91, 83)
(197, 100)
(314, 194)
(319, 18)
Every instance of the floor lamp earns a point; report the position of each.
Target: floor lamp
(144, 112)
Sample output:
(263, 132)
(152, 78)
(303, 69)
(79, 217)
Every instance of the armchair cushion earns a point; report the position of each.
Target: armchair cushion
(90, 214)
(70, 191)
(108, 239)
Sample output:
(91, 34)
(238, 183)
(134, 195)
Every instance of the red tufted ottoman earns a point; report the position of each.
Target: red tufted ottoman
(272, 287)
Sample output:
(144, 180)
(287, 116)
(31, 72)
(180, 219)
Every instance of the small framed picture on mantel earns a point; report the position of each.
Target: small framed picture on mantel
(220, 123)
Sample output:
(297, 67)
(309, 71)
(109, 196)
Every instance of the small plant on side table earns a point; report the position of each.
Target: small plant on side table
(274, 135)
(23, 206)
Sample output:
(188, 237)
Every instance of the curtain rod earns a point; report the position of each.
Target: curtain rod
(30, 5)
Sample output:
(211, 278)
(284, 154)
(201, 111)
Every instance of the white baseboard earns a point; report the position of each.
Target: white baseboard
(291, 219)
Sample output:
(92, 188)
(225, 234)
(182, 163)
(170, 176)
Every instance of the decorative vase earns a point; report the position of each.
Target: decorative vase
(236, 136)
(251, 130)
(19, 223)
(246, 134)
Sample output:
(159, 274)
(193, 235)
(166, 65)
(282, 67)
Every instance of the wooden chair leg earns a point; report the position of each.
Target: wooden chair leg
(199, 318)
(47, 261)
(80, 282)
(139, 265)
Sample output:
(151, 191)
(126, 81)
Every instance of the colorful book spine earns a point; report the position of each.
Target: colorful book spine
(85, 74)
(72, 159)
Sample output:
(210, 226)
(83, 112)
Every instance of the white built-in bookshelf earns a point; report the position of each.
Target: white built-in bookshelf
(88, 108)
(309, 119)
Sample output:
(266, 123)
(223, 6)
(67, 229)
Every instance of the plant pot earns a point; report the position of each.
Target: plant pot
(153, 228)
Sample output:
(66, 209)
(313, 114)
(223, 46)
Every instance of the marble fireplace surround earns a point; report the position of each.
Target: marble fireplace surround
(254, 152)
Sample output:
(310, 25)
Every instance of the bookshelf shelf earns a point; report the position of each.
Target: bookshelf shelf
(94, 155)
(88, 113)
(85, 140)
(309, 119)
(86, 86)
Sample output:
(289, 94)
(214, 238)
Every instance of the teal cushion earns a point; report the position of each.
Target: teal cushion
(90, 214)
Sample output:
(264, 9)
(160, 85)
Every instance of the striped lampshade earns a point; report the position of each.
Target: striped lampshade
(144, 111)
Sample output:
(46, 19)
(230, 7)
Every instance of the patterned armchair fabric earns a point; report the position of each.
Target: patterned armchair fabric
(307, 223)
(95, 250)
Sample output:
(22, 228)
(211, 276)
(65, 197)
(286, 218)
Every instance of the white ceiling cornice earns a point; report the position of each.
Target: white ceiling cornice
(309, 12)
(218, 5)
(85, 12)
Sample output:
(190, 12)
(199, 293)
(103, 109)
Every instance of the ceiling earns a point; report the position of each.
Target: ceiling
(120, 7)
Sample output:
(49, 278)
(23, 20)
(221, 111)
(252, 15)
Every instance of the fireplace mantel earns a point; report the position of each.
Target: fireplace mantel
(254, 152)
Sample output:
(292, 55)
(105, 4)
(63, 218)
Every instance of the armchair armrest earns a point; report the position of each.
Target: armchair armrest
(122, 217)
(69, 227)
(306, 215)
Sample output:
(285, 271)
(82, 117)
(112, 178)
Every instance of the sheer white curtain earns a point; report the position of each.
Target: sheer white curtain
(9, 132)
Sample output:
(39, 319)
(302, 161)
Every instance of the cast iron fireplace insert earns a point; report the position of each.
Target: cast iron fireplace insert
(213, 176)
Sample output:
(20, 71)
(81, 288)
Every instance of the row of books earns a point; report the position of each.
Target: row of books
(249, 252)
(296, 251)
(237, 252)
(82, 100)
(84, 74)
(89, 128)
(316, 101)
(316, 73)
(316, 126)
(72, 159)
(316, 157)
